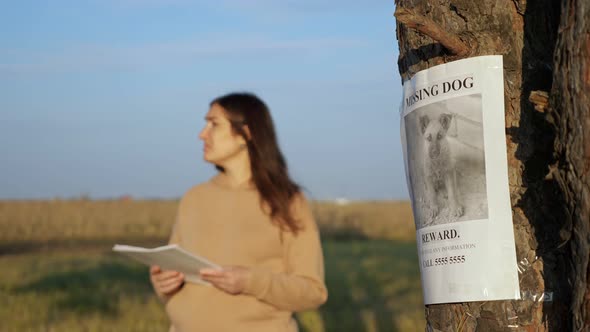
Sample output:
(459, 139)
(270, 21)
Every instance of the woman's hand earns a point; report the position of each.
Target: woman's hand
(230, 279)
(165, 283)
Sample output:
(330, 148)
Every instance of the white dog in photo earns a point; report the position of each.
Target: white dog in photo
(440, 176)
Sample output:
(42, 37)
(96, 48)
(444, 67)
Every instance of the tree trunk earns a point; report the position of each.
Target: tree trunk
(547, 100)
(570, 117)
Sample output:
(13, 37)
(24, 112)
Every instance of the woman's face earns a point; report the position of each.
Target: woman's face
(221, 144)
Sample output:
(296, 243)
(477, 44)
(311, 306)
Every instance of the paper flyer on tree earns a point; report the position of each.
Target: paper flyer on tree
(453, 139)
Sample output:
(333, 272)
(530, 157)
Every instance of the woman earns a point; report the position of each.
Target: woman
(252, 219)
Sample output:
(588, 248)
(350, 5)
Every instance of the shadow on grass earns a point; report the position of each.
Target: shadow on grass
(342, 233)
(348, 228)
(92, 289)
(23, 247)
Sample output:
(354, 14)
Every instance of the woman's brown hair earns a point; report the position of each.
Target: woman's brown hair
(269, 168)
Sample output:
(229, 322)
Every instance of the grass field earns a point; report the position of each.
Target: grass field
(60, 275)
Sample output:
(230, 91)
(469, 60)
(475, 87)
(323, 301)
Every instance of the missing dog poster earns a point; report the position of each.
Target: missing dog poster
(453, 137)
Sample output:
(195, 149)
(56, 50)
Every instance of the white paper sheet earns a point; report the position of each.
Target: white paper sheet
(169, 257)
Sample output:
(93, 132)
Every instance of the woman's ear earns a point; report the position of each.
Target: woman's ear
(247, 131)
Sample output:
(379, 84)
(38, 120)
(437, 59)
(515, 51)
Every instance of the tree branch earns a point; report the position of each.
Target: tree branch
(540, 99)
(428, 27)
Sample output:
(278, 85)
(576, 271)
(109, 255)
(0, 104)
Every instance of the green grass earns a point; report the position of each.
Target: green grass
(77, 291)
(59, 273)
(373, 285)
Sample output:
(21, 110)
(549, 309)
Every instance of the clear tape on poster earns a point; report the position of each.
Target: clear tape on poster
(544, 296)
(510, 311)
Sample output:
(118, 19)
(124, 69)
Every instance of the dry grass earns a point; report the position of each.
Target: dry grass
(54, 222)
(390, 220)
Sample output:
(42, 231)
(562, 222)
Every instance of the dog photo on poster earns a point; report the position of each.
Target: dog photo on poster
(446, 152)
(453, 134)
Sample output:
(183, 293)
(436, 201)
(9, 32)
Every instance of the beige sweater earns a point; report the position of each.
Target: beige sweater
(227, 226)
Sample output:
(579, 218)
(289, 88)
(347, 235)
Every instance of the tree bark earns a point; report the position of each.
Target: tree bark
(547, 139)
(570, 117)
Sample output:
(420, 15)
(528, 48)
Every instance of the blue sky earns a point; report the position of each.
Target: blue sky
(106, 97)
